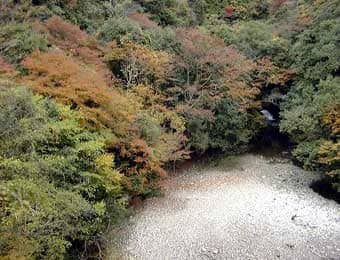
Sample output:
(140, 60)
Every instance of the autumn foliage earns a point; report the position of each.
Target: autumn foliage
(72, 40)
(143, 20)
(136, 64)
(57, 75)
(143, 172)
(218, 70)
(5, 68)
(99, 99)
(332, 120)
(228, 11)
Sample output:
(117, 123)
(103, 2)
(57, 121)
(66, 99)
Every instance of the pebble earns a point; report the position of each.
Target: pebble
(212, 213)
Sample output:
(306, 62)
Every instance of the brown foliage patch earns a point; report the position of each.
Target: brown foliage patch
(332, 120)
(58, 75)
(72, 39)
(141, 172)
(217, 69)
(228, 11)
(6, 68)
(143, 20)
(140, 65)
(276, 4)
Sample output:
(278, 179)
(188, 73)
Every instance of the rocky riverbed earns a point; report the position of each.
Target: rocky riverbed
(243, 207)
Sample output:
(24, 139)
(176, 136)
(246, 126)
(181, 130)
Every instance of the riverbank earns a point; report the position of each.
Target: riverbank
(240, 207)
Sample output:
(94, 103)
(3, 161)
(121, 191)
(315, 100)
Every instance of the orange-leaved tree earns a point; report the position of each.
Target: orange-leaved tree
(210, 68)
(60, 76)
(142, 172)
(136, 64)
(71, 39)
(6, 68)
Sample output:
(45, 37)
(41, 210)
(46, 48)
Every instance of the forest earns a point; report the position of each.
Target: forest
(100, 99)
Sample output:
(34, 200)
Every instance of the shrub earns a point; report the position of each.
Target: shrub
(143, 20)
(197, 128)
(305, 107)
(205, 60)
(256, 40)
(65, 34)
(237, 9)
(76, 42)
(39, 219)
(221, 29)
(199, 8)
(58, 185)
(5, 68)
(120, 29)
(161, 127)
(246, 9)
(323, 155)
(170, 12)
(161, 39)
(19, 40)
(315, 53)
(229, 130)
(142, 172)
(149, 129)
(60, 76)
(89, 15)
(136, 64)
(206, 66)
(310, 117)
(307, 154)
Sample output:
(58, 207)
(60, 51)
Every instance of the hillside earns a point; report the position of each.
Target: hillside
(99, 99)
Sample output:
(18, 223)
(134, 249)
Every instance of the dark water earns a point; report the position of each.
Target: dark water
(325, 189)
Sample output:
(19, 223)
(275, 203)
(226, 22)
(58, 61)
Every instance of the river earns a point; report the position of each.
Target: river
(241, 207)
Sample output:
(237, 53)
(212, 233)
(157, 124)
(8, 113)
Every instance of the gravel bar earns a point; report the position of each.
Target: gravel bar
(241, 207)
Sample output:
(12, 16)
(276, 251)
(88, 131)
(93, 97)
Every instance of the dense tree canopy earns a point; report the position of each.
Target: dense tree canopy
(98, 98)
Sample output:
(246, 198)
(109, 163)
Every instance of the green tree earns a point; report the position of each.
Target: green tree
(58, 184)
(19, 40)
(316, 52)
(229, 130)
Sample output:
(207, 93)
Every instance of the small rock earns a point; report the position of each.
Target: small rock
(290, 246)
